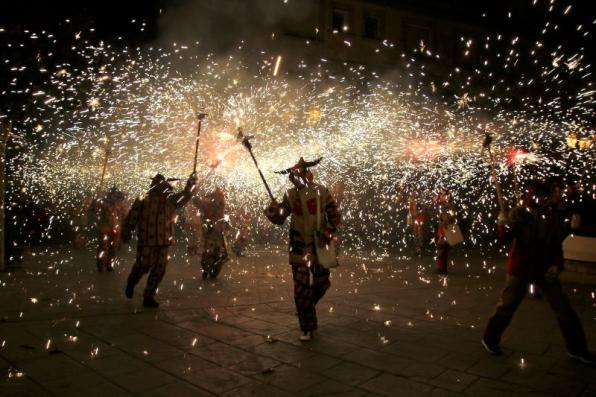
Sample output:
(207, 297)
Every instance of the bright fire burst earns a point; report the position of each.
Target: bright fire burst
(382, 140)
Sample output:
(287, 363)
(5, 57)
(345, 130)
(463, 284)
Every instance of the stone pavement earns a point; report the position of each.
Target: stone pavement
(387, 327)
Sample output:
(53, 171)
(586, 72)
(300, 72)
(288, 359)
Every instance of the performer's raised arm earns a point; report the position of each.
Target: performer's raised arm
(180, 199)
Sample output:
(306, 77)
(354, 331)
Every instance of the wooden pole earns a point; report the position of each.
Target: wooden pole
(4, 136)
(194, 166)
(245, 140)
(200, 116)
(486, 145)
(103, 171)
(261, 173)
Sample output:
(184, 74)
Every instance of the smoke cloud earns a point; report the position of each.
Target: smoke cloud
(220, 26)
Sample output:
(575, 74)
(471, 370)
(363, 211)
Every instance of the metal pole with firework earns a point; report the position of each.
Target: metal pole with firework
(516, 161)
(245, 140)
(201, 116)
(488, 139)
(105, 166)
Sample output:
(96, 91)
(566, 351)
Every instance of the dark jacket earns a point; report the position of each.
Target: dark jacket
(535, 236)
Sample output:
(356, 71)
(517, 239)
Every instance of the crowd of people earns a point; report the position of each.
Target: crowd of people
(534, 229)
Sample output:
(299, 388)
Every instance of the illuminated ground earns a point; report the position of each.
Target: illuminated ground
(385, 329)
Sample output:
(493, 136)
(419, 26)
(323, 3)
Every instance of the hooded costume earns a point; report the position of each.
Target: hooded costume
(153, 217)
(111, 212)
(300, 204)
(213, 210)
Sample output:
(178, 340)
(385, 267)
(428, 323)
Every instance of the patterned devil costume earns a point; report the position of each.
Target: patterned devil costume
(111, 212)
(193, 230)
(153, 217)
(213, 211)
(301, 204)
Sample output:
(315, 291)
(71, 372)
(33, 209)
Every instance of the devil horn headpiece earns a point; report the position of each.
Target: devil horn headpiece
(301, 164)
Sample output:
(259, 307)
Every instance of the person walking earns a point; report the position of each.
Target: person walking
(301, 204)
(535, 231)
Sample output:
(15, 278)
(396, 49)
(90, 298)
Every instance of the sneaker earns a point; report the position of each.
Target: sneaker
(150, 303)
(491, 348)
(129, 291)
(585, 358)
(306, 336)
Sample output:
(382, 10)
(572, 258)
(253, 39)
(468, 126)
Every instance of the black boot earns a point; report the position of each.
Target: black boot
(150, 303)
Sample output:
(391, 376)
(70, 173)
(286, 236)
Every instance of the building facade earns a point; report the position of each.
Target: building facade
(378, 33)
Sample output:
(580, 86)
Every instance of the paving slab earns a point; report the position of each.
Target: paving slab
(350, 373)
(391, 385)
(386, 327)
(454, 380)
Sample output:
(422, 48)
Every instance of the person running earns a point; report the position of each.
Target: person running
(153, 217)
